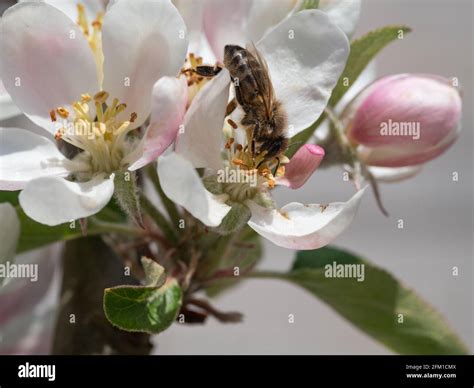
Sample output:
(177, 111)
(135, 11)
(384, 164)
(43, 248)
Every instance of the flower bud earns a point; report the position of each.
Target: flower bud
(403, 120)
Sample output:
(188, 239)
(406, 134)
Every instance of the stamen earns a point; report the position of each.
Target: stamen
(232, 123)
(52, 114)
(85, 97)
(101, 97)
(59, 134)
(133, 117)
(63, 112)
(229, 142)
(120, 108)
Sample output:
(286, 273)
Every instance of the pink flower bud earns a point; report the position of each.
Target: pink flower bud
(302, 165)
(404, 119)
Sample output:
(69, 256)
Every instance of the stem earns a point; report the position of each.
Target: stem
(167, 203)
(98, 227)
(159, 219)
(89, 266)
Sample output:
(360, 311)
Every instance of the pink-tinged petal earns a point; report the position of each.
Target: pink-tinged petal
(46, 61)
(298, 226)
(9, 233)
(30, 334)
(343, 13)
(21, 295)
(182, 184)
(193, 15)
(142, 41)
(53, 201)
(224, 23)
(302, 165)
(170, 96)
(242, 21)
(24, 156)
(201, 139)
(306, 54)
(7, 107)
(394, 174)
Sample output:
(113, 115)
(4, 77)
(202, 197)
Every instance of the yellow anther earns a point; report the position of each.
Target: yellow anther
(120, 108)
(229, 143)
(101, 97)
(85, 97)
(52, 114)
(63, 112)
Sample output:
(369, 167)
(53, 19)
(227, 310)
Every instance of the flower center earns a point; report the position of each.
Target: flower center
(92, 32)
(240, 157)
(195, 80)
(102, 136)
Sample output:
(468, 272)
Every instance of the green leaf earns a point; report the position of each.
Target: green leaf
(374, 304)
(143, 309)
(363, 50)
(126, 194)
(154, 273)
(309, 4)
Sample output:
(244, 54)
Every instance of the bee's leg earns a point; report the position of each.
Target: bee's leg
(208, 71)
(231, 106)
(277, 166)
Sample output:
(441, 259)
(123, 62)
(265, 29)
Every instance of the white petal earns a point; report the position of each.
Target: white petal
(182, 184)
(53, 201)
(264, 14)
(24, 156)
(306, 54)
(224, 23)
(9, 231)
(298, 226)
(91, 7)
(169, 100)
(46, 61)
(242, 21)
(8, 108)
(343, 13)
(394, 174)
(201, 141)
(142, 41)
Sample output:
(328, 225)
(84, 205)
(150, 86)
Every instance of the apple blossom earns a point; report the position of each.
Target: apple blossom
(90, 85)
(404, 120)
(239, 22)
(303, 71)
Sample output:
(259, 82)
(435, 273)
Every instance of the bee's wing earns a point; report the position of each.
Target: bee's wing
(262, 78)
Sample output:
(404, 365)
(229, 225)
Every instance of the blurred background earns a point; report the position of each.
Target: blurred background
(437, 214)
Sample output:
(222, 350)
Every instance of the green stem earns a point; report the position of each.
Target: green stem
(167, 203)
(98, 227)
(159, 219)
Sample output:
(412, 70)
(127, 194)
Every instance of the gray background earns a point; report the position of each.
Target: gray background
(437, 213)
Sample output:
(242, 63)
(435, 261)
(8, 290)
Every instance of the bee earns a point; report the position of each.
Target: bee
(264, 115)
